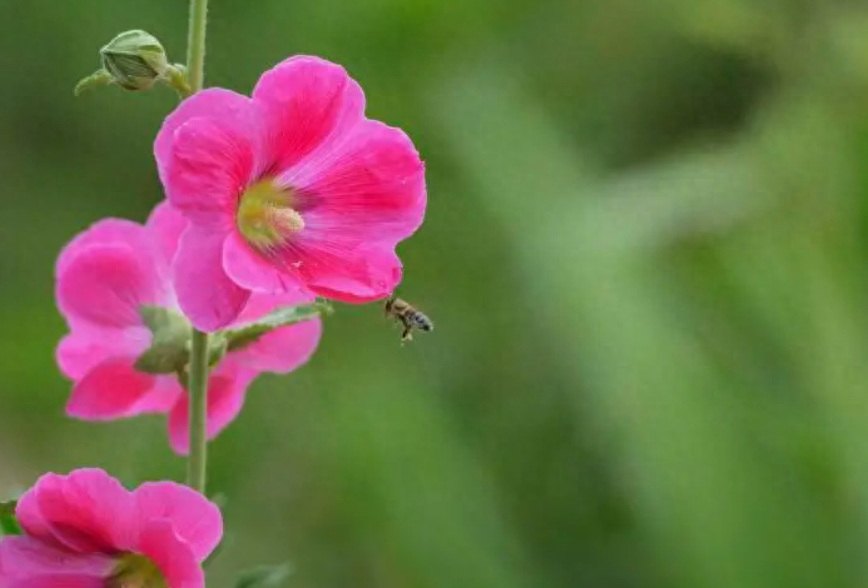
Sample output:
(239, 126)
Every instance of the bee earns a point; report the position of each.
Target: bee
(403, 312)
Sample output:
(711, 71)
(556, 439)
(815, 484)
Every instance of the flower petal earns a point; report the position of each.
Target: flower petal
(354, 275)
(226, 391)
(85, 511)
(105, 285)
(111, 390)
(27, 562)
(371, 189)
(357, 203)
(210, 163)
(195, 519)
(250, 270)
(165, 226)
(306, 103)
(172, 555)
(77, 354)
(209, 298)
(110, 231)
(162, 397)
(212, 102)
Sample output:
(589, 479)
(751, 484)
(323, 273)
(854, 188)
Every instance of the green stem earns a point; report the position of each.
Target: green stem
(198, 390)
(198, 377)
(196, 44)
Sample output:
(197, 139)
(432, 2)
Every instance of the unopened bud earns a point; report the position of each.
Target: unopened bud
(135, 60)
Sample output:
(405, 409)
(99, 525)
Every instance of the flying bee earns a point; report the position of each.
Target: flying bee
(403, 312)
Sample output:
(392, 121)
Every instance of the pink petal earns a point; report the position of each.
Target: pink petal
(250, 270)
(357, 204)
(209, 298)
(162, 397)
(355, 275)
(172, 555)
(165, 226)
(78, 354)
(226, 391)
(211, 161)
(213, 102)
(105, 285)
(81, 351)
(111, 390)
(282, 350)
(33, 522)
(371, 189)
(306, 103)
(110, 231)
(86, 511)
(194, 519)
(27, 562)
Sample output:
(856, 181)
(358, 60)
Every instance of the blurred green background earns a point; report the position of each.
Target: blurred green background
(646, 252)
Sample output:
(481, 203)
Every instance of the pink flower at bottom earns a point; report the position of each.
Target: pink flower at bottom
(85, 530)
(105, 276)
(292, 187)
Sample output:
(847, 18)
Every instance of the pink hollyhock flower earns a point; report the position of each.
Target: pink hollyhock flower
(105, 276)
(291, 188)
(85, 530)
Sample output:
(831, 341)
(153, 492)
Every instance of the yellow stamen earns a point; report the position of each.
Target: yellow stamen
(266, 218)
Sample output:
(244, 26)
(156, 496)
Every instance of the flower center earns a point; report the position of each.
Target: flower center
(266, 218)
(136, 571)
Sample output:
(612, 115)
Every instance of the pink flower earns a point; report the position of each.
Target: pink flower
(291, 188)
(105, 276)
(85, 530)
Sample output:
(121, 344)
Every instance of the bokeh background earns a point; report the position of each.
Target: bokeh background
(646, 252)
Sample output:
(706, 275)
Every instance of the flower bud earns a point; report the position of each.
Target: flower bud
(135, 60)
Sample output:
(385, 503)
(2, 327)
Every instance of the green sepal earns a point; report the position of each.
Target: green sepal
(8, 521)
(250, 333)
(264, 576)
(170, 345)
(98, 78)
(135, 60)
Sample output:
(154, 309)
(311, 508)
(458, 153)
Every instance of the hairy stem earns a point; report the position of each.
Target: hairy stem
(198, 390)
(198, 377)
(196, 44)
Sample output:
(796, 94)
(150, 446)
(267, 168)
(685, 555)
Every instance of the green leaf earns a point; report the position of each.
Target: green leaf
(8, 522)
(264, 576)
(282, 317)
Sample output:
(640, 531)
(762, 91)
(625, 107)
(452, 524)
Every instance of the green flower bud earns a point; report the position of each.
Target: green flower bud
(135, 60)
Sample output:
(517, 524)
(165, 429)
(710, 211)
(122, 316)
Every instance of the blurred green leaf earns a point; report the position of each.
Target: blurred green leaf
(264, 576)
(8, 522)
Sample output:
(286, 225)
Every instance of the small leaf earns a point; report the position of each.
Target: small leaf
(282, 317)
(264, 576)
(8, 522)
